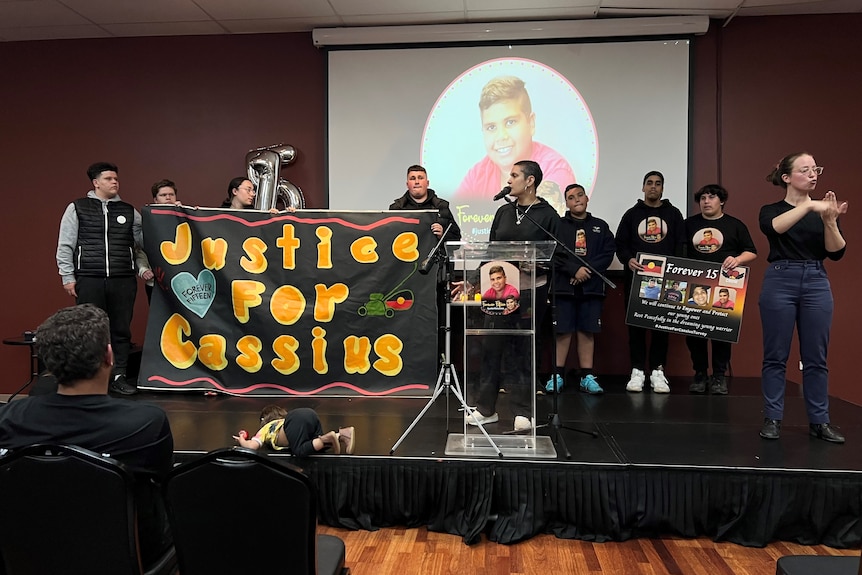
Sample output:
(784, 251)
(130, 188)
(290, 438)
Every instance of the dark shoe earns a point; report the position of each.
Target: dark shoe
(699, 383)
(121, 386)
(718, 385)
(771, 428)
(825, 432)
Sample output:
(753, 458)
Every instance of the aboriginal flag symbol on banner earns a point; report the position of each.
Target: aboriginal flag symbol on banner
(653, 266)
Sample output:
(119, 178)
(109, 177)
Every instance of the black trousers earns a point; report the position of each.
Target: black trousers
(638, 339)
(117, 297)
(508, 359)
(697, 346)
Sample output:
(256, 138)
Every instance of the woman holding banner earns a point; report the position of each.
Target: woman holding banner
(802, 232)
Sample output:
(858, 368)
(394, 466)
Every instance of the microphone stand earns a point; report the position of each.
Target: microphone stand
(447, 379)
(554, 421)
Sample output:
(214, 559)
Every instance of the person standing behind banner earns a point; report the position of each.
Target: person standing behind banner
(802, 232)
(653, 226)
(579, 294)
(96, 253)
(420, 197)
(514, 222)
(240, 194)
(714, 236)
(164, 192)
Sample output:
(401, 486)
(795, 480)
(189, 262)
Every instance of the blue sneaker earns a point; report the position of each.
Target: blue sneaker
(590, 385)
(549, 387)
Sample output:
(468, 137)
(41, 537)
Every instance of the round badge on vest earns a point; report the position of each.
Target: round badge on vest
(121, 219)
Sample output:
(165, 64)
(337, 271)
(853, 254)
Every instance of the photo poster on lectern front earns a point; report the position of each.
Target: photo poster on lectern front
(689, 297)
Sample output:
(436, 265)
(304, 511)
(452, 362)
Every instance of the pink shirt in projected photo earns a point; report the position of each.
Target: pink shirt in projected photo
(483, 179)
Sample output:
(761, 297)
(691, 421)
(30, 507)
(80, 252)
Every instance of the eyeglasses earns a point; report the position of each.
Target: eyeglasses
(816, 170)
(249, 190)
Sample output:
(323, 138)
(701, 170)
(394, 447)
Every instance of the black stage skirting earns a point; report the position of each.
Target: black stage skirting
(674, 464)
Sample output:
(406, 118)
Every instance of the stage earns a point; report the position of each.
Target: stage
(675, 464)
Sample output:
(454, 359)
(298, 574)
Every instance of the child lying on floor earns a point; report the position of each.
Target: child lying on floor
(298, 430)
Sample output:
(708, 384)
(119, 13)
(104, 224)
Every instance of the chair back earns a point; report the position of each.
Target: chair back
(236, 511)
(67, 510)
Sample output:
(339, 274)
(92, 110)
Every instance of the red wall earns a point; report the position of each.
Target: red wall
(190, 108)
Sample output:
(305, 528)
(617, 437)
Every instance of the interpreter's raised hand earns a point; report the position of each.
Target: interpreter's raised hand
(830, 208)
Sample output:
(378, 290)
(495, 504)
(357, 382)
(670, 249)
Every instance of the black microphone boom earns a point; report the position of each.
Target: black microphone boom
(503, 193)
(428, 262)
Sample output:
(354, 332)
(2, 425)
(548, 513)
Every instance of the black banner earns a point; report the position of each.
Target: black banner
(689, 297)
(312, 303)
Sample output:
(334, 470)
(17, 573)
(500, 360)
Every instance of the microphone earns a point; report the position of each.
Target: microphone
(426, 265)
(503, 193)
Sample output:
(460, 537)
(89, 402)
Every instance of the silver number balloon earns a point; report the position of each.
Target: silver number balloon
(264, 165)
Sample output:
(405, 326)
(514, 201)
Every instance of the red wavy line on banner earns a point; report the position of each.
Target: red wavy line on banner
(345, 385)
(273, 219)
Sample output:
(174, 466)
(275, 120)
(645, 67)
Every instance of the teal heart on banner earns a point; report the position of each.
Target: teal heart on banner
(196, 293)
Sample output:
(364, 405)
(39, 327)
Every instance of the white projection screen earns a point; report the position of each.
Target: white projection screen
(600, 114)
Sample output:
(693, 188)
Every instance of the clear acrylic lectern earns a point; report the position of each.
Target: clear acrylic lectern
(497, 283)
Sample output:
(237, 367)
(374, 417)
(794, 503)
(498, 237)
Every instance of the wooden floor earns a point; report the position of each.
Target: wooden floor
(402, 551)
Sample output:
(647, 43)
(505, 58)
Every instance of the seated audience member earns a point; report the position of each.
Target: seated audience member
(75, 345)
(298, 431)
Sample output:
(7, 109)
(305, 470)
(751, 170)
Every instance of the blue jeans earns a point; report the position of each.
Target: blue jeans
(796, 293)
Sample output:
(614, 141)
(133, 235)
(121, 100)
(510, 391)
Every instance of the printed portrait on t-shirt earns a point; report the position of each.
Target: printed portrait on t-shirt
(581, 242)
(707, 240)
(652, 230)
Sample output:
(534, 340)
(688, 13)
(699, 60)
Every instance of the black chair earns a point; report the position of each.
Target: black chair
(818, 565)
(236, 511)
(70, 510)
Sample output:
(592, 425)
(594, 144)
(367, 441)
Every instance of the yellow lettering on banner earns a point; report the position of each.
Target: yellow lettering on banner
(324, 304)
(181, 354)
(244, 295)
(388, 347)
(212, 351)
(253, 262)
(405, 247)
(356, 353)
(285, 347)
(214, 253)
(289, 243)
(286, 305)
(364, 249)
(249, 359)
(318, 349)
(178, 251)
(324, 248)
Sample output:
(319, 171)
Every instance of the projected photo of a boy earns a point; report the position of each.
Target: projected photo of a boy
(508, 126)
(526, 111)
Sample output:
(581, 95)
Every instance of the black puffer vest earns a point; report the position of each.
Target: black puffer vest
(102, 253)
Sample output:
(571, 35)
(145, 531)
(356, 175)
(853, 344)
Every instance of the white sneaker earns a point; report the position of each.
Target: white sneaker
(636, 381)
(476, 418)
(524, 424)
(658, 382)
